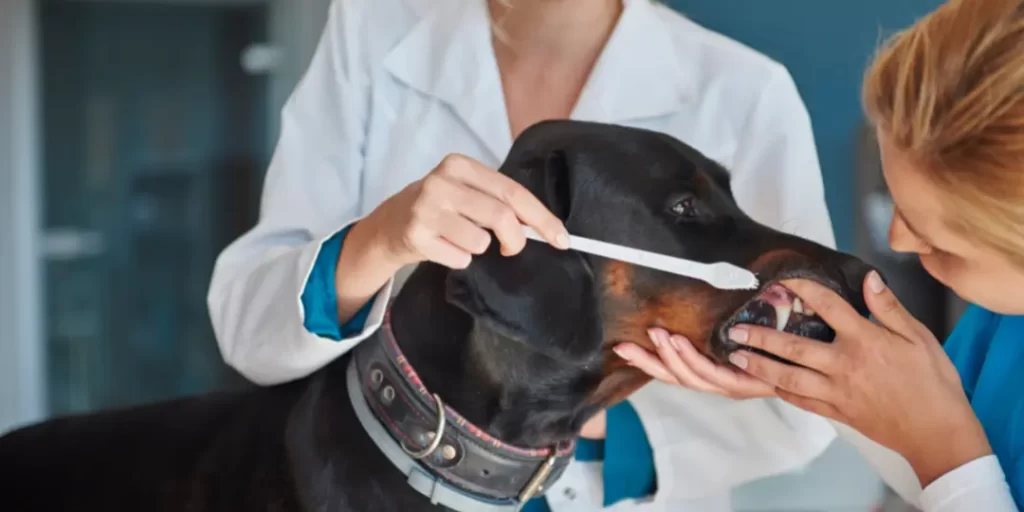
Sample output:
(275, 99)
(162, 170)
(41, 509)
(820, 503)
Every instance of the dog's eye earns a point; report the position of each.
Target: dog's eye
(685, 207)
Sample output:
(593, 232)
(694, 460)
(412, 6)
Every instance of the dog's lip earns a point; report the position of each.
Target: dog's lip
(722, 330)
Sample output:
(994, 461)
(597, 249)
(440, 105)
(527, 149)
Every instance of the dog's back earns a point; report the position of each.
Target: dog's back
(190, 454)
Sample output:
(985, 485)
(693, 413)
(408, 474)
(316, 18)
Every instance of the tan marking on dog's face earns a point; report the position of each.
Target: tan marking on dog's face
(689, 311)
(693, 311)
(617, 278)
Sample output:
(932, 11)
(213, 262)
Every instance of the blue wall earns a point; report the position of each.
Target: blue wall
(826, 44)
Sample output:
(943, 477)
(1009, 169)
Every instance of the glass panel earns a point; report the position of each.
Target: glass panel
(154, 146)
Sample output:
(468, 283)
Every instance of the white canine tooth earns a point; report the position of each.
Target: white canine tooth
(798, 305)
(782, 317)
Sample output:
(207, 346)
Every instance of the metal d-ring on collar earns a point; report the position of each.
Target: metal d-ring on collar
(435, 436)
(477, 473)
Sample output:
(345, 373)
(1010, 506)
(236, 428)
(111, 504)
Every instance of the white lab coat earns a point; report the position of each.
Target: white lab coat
(395, 85)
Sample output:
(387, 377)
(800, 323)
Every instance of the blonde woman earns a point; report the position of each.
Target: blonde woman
(947, 98)
(363, 183)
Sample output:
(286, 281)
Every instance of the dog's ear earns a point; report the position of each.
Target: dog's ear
(555, 186)
(515, 296)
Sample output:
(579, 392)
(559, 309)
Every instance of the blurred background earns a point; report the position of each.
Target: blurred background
(133, 139)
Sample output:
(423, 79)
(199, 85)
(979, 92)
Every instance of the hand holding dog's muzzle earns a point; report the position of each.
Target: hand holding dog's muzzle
(891, 381)
(681, 364)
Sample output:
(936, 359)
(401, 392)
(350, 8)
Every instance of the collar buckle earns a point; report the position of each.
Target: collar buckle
(536, 484)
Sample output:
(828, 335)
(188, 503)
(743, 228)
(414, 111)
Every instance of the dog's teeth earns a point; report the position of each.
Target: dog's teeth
(798, 305)
(782, 316)
(808, 312)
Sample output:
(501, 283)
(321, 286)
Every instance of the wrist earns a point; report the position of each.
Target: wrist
(364, 266)
(368, 248)
(954, 448)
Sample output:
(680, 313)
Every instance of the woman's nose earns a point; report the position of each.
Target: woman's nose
(901, 239)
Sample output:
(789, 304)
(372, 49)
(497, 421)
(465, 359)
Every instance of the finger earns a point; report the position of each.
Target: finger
(799, 381)
(888, 310)
(463, 233)
(736, 383)
(443, 252)
(675, 365)
(803, 351)
(495, 215)
(646, 362)
(527, 207)
(835, 311)
(811, 405)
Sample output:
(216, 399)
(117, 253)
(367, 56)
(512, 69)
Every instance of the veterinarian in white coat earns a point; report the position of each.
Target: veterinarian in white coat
(397, 85)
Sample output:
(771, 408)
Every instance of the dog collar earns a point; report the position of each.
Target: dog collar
(446, 458)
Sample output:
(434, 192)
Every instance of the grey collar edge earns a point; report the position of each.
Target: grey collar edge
(419, 478)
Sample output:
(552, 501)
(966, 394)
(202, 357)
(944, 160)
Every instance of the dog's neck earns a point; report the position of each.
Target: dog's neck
(512, 392)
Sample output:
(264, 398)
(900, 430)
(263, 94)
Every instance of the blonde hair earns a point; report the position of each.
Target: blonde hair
(948, 93)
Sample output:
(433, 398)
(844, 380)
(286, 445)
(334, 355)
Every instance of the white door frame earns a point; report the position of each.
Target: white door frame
(22, 341)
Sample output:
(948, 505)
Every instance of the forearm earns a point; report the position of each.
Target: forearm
(366, 269)
(977, 485)
(257, 312)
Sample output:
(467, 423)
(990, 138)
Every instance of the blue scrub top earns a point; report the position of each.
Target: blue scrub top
(988, 351)
(628, 461)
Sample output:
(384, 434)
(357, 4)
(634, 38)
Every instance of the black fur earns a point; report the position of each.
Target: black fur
(516, 345)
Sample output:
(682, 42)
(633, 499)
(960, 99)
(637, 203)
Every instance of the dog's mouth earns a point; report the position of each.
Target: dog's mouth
(776, 307)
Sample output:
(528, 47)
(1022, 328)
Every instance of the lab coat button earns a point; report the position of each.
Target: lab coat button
(569, 493)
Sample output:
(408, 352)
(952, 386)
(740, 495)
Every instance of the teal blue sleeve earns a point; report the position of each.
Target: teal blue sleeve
(628, 470)
(986, 349)
(628, 458)
(968, 344)
(320, 299)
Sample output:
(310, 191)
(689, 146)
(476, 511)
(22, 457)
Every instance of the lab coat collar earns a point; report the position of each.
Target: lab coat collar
(448, 55)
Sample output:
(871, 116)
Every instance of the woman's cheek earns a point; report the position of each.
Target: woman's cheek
(951, 273)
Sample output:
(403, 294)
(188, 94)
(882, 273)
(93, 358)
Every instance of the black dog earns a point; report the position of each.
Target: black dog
(516, 349)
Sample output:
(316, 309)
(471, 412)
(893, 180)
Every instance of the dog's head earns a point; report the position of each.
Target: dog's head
(649, 191)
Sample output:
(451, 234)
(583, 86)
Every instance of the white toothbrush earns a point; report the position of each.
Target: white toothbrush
(721, 275)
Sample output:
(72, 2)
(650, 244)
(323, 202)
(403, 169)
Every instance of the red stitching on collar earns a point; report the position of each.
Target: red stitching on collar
(393, 351)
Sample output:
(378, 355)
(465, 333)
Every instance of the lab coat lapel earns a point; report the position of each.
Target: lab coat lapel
(449, 56)
(638, 75)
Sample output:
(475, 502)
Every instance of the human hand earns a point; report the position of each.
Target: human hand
(678, 362)
(444, 217)
(891, 381)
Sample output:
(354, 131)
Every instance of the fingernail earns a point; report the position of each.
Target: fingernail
(875, 283)
(738, 334)
(739, 360)
(658, 337)
(677, 342)
(562, 240)
(620, 352)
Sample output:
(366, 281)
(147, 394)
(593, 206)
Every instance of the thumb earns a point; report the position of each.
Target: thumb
(887, 308)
